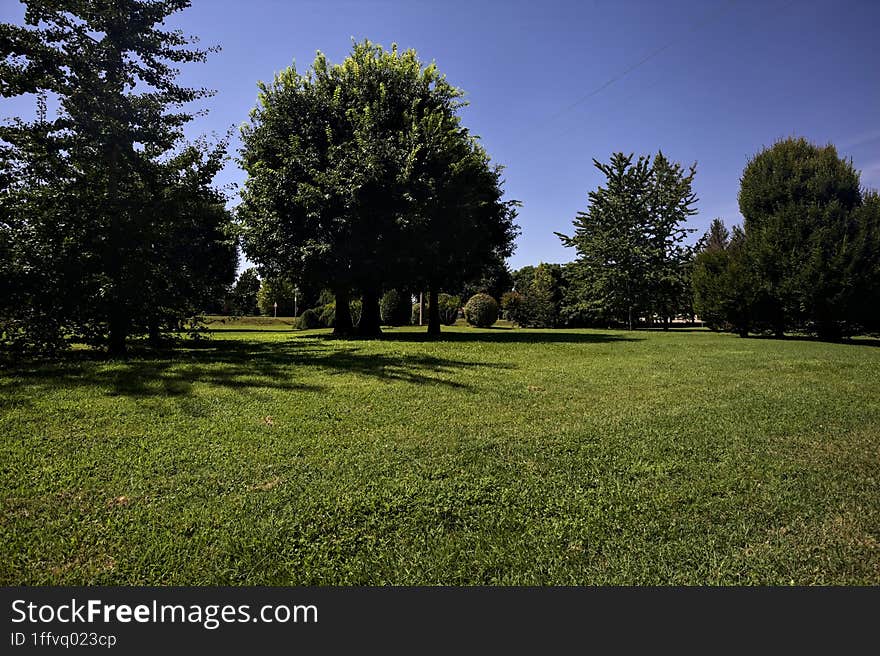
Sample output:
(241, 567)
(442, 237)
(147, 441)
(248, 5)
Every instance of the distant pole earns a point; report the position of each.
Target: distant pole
(276, 309)
(295, 313)
(421, 305)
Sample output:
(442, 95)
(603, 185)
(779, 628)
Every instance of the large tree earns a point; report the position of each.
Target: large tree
(110, 190)
(800, 202)
(326, 154)
(630, 240)
(347, 167)
(462, 224)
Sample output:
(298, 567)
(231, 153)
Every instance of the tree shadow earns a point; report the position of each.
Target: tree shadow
(861, 340)
(286, 331)
(236, 364)
(673, 329)
(509, 336)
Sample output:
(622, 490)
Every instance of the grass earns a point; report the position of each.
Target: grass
(266, 456)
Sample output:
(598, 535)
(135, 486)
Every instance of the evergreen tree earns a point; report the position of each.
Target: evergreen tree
(108, 189)
(631, 259)
(800, 205)
(717, 237)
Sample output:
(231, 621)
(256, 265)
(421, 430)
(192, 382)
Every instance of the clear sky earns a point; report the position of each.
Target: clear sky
(553, 84)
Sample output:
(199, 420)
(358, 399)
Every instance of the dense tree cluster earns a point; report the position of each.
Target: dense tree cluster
(538, 297)
(363, 191)
(807, 256)
(361, 179)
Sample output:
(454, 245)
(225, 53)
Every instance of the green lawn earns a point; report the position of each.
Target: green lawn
(267, 456)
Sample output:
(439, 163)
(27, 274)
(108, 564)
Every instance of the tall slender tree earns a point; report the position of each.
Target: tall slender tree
(611, 238)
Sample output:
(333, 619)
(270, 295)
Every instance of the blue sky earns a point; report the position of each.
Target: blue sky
(554, 84)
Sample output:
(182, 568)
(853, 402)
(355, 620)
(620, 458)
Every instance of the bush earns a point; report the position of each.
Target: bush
(481, 311)
(328, 314)
(394, 308)
(511, 303)
(448, 308)
(415, 314)
(309, 320)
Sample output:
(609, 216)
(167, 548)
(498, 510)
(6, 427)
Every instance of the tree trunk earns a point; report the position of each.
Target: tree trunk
(342, 326)
(666, 323)
(433, 313)
(779, 325)
(829, 331)
(629, 319)
(118, 316)
(118, 334)
(371, 320)
(153, 335)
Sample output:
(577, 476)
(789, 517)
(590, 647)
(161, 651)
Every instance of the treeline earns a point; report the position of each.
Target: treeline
(362, 189)
(361, 179)
(807, 258)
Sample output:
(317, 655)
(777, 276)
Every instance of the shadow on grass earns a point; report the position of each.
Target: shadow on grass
(498, 336)
(236, 364)
(862, 340)
(289, 331)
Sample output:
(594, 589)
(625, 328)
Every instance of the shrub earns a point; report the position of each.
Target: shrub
(511, 303)
(328, 314)
(481, 311)
(448, 306)
(356, 308)
(394, 308)
(309, 320)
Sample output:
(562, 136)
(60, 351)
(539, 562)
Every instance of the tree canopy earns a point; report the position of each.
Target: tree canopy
(361, 179)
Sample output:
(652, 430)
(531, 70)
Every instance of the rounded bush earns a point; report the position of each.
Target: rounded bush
(309, 320)
(481, 311)
(448, 308)
(394, 308)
